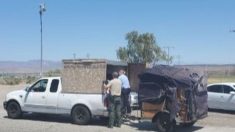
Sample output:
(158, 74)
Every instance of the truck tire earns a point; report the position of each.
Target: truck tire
(163, 123)
(81, 115)
(13, 110)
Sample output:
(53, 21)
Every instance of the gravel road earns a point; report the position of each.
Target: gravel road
(217, 121)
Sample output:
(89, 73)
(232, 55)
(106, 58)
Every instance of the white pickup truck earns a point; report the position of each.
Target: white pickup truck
(45, 96)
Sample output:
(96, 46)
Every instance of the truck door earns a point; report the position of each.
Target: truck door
(52, 96)
(35, 99)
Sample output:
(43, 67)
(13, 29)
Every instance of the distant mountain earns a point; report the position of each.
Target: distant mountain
(32, 66)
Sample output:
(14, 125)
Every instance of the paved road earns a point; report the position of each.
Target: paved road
(217, 121)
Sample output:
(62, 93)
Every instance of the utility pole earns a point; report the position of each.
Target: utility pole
(229, 68)
(42, 9)
(178, 58)
(88, 56)
(168, 53)
(74, 56)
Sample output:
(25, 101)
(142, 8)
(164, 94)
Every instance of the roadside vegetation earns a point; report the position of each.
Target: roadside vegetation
(222, 78)
(10, 80)
(15, 79)
(28, 79)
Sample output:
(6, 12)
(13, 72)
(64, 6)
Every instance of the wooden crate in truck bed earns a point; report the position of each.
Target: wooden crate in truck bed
(87, 75)
(83, 76)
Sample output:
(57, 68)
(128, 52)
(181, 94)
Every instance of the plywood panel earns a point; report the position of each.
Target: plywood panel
(83, 76)
(148, 114)
(133, 71)
(151, 107)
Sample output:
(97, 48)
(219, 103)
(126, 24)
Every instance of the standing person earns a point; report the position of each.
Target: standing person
(126, 108)
(114, 87)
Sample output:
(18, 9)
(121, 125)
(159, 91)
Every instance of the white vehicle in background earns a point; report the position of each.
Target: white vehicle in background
(133, 98)
(221, 96)
(45, 96)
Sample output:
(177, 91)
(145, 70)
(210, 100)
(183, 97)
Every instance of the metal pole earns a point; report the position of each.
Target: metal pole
(41, 71)
(42, 9)
(74, 56)
(168, 56)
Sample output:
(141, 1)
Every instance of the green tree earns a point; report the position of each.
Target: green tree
(141, 48)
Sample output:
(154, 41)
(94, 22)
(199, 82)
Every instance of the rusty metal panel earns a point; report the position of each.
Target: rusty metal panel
(83, 75)
(148, 114)
(152, 107)
(149, 110)
(133, 71)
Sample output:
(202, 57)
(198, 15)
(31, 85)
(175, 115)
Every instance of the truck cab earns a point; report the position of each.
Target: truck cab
(46, 96)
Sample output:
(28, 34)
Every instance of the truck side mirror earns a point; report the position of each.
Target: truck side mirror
(27, 89)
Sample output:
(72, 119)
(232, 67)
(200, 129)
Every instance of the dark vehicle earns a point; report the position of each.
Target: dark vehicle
(170, 95)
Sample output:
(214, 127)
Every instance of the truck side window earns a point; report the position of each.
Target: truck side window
(54, 85)
(40, 86)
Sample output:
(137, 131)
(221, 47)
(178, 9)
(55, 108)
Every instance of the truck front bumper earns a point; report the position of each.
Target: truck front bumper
(5, 105)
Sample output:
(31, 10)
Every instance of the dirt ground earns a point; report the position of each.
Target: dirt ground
(217, 121)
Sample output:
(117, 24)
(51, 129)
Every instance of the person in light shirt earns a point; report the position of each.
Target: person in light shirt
(126, 108)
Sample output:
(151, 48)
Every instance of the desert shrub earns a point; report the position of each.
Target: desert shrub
(52, 73)
(30, 79)
(12, 80)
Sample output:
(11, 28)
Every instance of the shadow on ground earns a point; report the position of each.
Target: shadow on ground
(45, 118)
(138, 125)
(148, 126)
(59, 119)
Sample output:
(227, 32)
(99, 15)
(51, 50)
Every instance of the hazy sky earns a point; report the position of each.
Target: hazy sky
(197, 29)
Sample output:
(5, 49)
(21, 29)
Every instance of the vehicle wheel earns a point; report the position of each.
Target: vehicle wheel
(14, 110)
(189, 124)
(163, 123)
(81, 115)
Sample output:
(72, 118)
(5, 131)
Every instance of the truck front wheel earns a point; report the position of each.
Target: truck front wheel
(13, 110)
(81, 115)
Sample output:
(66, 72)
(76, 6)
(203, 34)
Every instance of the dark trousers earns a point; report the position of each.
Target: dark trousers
(126, 108)
(114, 111)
